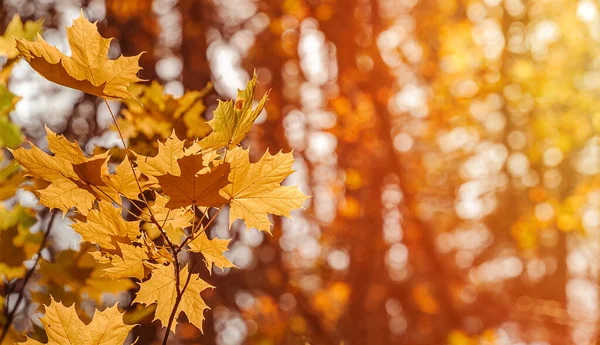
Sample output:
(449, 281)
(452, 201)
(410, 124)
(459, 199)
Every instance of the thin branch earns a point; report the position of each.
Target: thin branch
(180, 292)
(10, 317)
(166, 218)
(191, 237)
(119, 204)
(166, 238)
(137, 181)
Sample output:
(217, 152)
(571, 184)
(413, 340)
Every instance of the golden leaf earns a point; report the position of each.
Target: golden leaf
(123, 181)
(16, 29)
(44, 166)
(133, 262)
(104, 225)
(212, 250)
(256, 190)
(63, 326)
(161, 289)
(88, 69)
(165, 162)
(232, 121)
(65, 149)
(64, 194)
(76, 180)
(178, 218)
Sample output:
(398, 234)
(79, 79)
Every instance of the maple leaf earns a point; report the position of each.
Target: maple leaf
(233, 120)
(17, 29)
(65, 149)
(44, 166)
(192, 188)
(123, 181)
(256, 190)
(165, 162)
(75, 179)
(8, 49)
(70, 173)
(64, 194)
(178, 218)
(88, 69)
(161, 289)
(105, 225)
(63, 326)
(212, 250)
(190, 109)
(134, 262)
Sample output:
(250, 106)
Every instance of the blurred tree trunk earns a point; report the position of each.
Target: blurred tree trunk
(134, 25)
(197, 16)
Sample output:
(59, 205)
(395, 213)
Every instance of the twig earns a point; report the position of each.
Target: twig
(191, 237)
(166, 238)
(137, 181)
(11, 315)
(180, 292)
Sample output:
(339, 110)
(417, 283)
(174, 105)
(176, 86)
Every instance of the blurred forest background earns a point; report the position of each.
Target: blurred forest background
(452, 149)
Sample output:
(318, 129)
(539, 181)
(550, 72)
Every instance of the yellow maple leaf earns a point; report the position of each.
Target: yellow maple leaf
(65, 149)
(165, 162)
(106, 225)
(63, 326)
(69, 171)
(192, 188)
(233, 120)
(89, 171)
(88, 69)
(134, 262)
(212, 250)
(256, 190)
(161, 289)
(42, 165)
(64, 194)
(123, 181)
(17, 29)
(178, 218)
(75, 179)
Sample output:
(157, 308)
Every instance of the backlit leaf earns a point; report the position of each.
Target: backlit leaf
(212, 250)
(233, 120)
(88, 69)
(256, 190)
(160, 289)
(63, 326)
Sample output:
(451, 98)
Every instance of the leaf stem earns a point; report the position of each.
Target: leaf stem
(11, 315)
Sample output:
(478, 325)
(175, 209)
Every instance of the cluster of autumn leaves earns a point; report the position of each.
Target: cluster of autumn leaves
(145, 212)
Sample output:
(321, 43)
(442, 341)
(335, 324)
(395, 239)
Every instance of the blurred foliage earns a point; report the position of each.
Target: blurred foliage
(154, 115)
